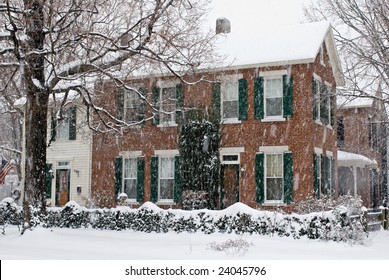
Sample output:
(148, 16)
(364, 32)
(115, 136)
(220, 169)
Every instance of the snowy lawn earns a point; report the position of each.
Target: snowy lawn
(92, 244)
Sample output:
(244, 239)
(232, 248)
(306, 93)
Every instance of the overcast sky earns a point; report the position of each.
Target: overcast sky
(269, 12)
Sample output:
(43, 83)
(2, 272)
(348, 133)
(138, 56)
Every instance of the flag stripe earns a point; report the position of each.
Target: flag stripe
(4, 171)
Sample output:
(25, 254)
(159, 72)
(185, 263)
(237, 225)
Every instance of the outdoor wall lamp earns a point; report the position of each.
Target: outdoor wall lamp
(51, 174)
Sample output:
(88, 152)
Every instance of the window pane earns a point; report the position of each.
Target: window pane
(63, 126)
(130, 168)
(274, 189)
(166, 189)
(130, 188)
(167, 168)
(274, 165)
(273, 106)
(274, 88)
(230, 109)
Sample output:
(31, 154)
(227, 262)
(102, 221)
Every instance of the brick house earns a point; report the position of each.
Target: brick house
(276, 103)
(362, 149)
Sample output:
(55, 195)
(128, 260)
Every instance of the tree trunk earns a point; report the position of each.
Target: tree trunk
(36, 112)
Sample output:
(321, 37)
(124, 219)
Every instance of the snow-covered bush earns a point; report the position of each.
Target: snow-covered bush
(10, 212)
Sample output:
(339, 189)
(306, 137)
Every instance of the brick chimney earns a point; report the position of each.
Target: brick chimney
(223, 25)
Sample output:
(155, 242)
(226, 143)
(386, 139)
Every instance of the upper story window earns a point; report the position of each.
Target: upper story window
(64, 128)
(169, 102)
(130, 106)
(273, 97)
(230, 99)
(324, 102)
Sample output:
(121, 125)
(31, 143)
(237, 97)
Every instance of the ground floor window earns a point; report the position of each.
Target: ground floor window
(274, 178)
(166, 180)
(130, 178)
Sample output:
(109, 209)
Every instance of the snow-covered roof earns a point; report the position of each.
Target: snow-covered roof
(354, 102)
(351, 159)
(260, 46)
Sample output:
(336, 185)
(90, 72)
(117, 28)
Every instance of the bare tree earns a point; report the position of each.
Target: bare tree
(362, 34)
(49, 47)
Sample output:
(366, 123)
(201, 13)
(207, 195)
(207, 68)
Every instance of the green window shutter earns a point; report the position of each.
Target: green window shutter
(142, 107)
(328, 175)
(180, 103)
(140, 180)
(73, 123)
(323, 104)
(156, 97)
(287, 95)
(323, 174)
(120, 104)
(243, 105)
(332, 108)
(332, 177)
(288, 178)
(154, 179)
(260, 177)
(316, 182)
(216, 99)
(49, 180)
(315, 97)
(118, 176)
(259, 111)
(177, 180)
(53, 128)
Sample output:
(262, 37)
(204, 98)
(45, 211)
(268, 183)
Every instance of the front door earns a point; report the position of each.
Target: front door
(230, 185)
(62, 187)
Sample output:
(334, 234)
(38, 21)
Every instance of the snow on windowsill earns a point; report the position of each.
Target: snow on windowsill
(273, 119)
(231, 121)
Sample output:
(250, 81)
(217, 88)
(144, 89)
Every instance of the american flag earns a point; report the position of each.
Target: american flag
(4, 169)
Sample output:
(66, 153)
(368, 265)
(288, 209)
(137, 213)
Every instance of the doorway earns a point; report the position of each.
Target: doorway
(230, 185)
(62, 194)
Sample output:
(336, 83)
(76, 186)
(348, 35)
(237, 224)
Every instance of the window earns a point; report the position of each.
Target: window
(230, 99)
(166, 178)
(374, 135)
(130, 178)
(273, 97)
(132, 106)
(324, 175)
(324, 102)
(65, 128)
(274, 178)
(167, 105)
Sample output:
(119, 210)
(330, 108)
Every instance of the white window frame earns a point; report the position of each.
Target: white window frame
(165, 154)
(268, 201)
(126, 93)
(162, 114)
(265, 93)
(125, 159)
(225, 81)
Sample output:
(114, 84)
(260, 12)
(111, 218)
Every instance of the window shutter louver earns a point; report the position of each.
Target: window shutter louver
(288, 178)
(323, 104)
(156, 97)
(216, 91)
(332, 108)
(142, 107)
(314, 91)
(328, 175)
(118, 176)
(180, 103)
(177, 180)
(316, 182)
(323, 174)
(49, 167)
(332, 176)
(120, 105)
(259, 177)
(73, 123)
(243, 105)
(140, 180)
(53, 128)
(287, 95)
(259, 110)
(154, 179)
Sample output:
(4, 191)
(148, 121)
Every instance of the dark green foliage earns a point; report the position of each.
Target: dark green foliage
(199, 153)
